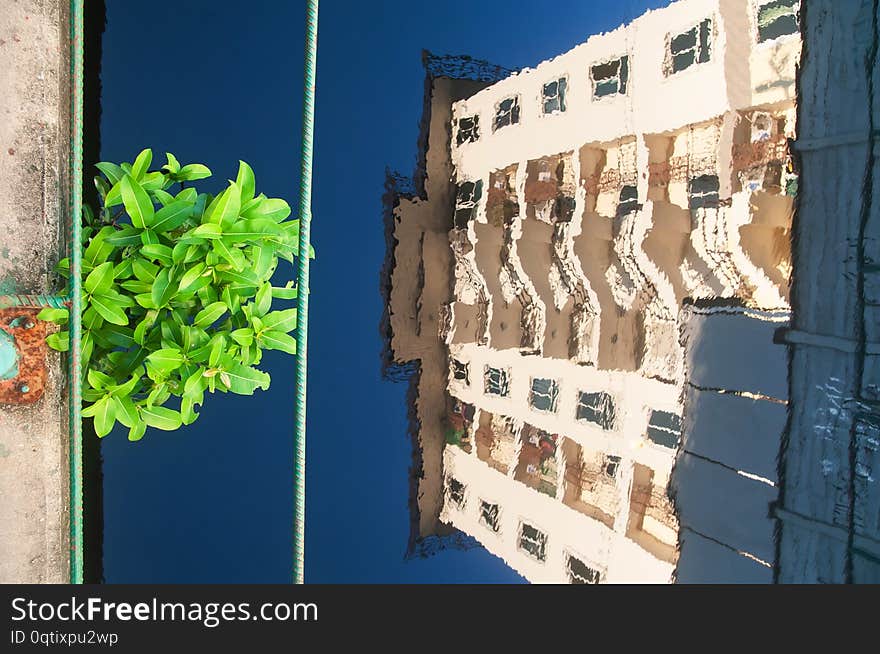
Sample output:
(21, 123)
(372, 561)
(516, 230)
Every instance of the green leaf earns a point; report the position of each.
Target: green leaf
(146, 300)
(277, 340)
(136, 286)
(87, 346)
(246, 182)
(163, 289)
(263, 299)
(98, 250)
(58, 316)
(246, 354)
(128, 235)
(288, 292)
(123, 269)
(100, 279)
(247, 206)
(187, 195)
(171, 332)
(63, 267)
(118, 336)
(207, 230)
(218, 347)
(164, 197)
(243, 336)
(244, 380)
(161, 418)
(120, 299)
(145, 324)
(171, 216)
(243, 277)
(195, 385)
(126, 389)
(153, 182)
(178, 252)
(114, 196)
(192, 172)
(166, 359)
(233, 256)
(98, 380)
(59, 341)
(191, 276)
(173, 165)
(202, 201)
(111, 171)
(126, 411)
(92, 319)
(144, 270)
(109, 310)
(149, 237)
(103, 412)
(201, 283)
(162, 253)
(253, 230)
(137, 202)
(224, 210)
(282, 321)
(141, 164)
(102, 187)
(137, 431)
(263, 256)
(209, 314)
(273, 209)
(188, 414)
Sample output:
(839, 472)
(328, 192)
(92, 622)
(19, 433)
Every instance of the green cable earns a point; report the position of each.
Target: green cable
(305, 216)
(74, 376)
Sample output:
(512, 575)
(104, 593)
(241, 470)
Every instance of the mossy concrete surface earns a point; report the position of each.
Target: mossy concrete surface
(34, 169)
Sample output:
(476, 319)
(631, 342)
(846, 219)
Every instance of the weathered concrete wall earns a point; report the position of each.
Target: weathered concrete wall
(34, 154)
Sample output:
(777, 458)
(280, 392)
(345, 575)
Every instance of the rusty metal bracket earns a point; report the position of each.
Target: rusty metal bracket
(22, 356)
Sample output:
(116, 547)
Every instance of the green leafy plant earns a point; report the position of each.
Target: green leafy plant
(177, 297)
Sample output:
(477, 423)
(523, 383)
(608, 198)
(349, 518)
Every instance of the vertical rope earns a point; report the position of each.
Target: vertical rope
(74, 376)
(305, 216)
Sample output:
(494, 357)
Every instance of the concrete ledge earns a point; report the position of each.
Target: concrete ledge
(34, 164)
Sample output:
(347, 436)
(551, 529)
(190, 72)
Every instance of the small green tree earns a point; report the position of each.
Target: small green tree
(177, 297)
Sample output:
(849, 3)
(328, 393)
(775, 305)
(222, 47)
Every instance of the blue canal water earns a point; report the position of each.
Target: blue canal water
(215, 82)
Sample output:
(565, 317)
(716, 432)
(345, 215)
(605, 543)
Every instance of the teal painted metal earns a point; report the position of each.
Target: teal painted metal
(8, 357)
(305, 217)
(55, 301)
(74, 370)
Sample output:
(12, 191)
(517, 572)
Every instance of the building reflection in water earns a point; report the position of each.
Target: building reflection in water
(582, 284)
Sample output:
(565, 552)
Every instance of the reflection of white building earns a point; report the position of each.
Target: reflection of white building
(540, 290)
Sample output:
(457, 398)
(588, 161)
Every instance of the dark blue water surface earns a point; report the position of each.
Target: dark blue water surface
(215, 82)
